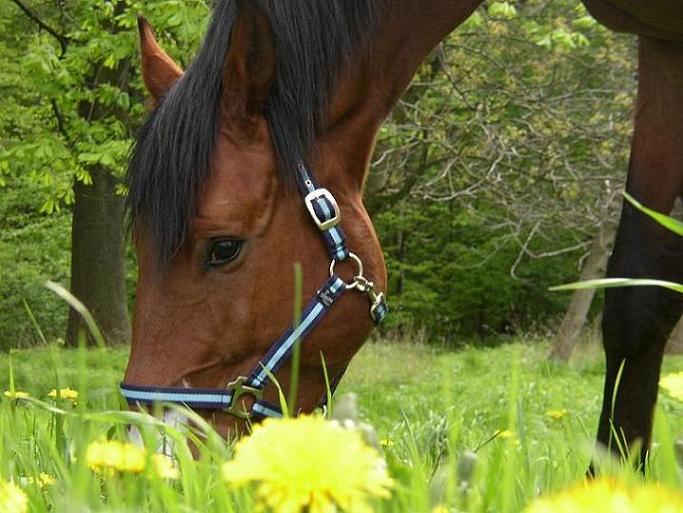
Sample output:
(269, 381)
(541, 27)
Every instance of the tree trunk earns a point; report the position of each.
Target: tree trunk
(575, 318)
(675, 345)
(97, 259)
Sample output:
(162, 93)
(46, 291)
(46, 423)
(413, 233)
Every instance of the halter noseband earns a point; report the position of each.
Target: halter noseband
(324, 211)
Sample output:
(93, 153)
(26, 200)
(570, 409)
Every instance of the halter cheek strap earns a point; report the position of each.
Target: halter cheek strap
(325, 213)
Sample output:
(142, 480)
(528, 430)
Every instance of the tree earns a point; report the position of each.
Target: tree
(594, 266)
(75, 102)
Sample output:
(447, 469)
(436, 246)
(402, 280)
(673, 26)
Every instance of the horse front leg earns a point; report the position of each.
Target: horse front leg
(636, 325)
(637, 321)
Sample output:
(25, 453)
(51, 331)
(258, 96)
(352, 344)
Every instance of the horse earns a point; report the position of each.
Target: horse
(254, 159)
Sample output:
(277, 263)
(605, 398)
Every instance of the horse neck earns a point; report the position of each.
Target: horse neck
(405, 38)
(369, 89)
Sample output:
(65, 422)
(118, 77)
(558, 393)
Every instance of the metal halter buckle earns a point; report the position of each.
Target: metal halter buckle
(327, 195)
(239, 389)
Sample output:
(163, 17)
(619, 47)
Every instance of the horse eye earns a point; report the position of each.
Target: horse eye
(223, 251)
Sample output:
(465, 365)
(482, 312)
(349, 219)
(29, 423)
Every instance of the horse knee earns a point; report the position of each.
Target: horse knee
(641, 318)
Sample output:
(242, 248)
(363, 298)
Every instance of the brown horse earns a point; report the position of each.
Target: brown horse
(278, 87)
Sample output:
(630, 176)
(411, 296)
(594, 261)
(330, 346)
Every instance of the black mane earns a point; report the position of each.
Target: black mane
(173, 151)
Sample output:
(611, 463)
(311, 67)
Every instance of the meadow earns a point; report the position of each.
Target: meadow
(485, 191)
(478, 430)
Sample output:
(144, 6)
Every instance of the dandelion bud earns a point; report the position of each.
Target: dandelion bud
(466, 466)
(678, 448)
(346, 408)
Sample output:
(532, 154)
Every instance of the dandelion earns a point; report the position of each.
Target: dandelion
(164, 467)
(15, 395)
(556, 414)
(68, 394)
(42, 480)
(12, 499)
(673, 384)
(505, 434)
(609, 496)
(386, 443)
(308, 464)
(111, 455)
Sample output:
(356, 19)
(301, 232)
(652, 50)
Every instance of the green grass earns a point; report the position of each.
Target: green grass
(436, 410)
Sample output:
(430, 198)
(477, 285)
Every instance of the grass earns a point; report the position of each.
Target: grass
(469, 429)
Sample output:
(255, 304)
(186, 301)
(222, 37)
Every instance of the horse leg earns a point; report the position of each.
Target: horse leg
(637, 321)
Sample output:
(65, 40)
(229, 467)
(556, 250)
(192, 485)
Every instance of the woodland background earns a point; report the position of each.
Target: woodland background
(498, 175)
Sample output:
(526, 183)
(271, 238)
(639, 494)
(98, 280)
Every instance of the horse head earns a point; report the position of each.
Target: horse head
(230, 183)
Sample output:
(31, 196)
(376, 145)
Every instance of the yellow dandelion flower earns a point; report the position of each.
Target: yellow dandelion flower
(386, 443)
(12, 499)
(508, 435)
(111, 455)
(16, 395)
(43, 480)
(64, 393)
(673, 384)
(308, 464)
(556, 414)
(440, 508)
(609, 496)
(164, 467)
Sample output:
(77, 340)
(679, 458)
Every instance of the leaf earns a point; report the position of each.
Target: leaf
(504, 10)
(584, 23)
(580, 40)
(670, 223)
(48, 206)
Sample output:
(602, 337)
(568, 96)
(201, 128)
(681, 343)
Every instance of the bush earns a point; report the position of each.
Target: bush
(33, 249)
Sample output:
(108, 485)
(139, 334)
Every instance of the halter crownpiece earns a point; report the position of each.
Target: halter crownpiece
(324, 210)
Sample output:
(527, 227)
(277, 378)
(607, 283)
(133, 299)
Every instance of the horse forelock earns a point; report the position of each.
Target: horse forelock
(172, 155)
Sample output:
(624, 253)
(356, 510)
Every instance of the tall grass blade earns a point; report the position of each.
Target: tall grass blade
(609, 283)
(80, 308)
(34, 323)
(296, 355)
(670, 223)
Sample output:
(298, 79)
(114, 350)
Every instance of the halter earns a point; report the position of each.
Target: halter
(324, 211)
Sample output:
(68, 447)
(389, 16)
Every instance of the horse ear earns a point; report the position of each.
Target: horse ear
(159, 72)
(250, 64)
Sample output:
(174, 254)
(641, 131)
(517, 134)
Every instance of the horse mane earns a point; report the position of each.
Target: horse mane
(172, 154)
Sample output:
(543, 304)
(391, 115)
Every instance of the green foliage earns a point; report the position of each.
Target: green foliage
(69, 100)
(477, 436)
(492, 175)
(33, 248)
(498, 167)
(75, 96)
(452, 276)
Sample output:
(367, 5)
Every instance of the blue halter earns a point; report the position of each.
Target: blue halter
(324, 211)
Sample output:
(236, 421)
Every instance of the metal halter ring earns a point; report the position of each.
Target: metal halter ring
(358, 277)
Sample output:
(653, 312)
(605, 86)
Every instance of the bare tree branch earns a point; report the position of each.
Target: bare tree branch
(61, 125)
(61, 38)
